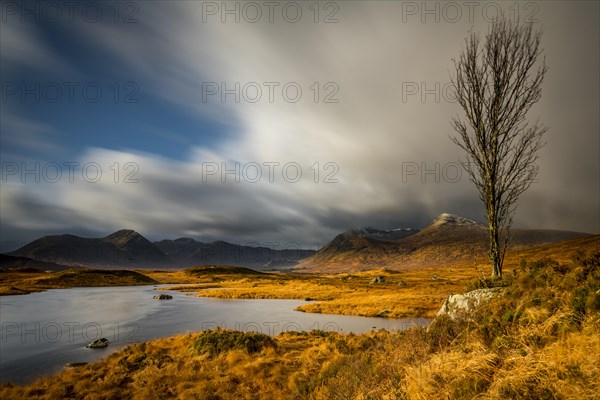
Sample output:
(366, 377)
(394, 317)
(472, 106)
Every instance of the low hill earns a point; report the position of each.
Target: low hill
(24, 263)
(16, 282)
(97, 277)
(220, 270)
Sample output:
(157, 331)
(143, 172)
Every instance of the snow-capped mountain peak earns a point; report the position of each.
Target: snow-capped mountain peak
(453, 219)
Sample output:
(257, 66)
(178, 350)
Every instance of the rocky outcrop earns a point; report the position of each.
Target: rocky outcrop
(458, 306)
(378, 279)
(98, 344)
(163, 297)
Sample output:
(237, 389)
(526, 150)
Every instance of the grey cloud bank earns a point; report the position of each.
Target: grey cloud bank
(394, 160)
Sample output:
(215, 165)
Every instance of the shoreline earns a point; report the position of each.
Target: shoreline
(287, 323)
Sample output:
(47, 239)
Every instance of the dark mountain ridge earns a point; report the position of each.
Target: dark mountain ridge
(128, 249)
(189, 252)
(124, 249)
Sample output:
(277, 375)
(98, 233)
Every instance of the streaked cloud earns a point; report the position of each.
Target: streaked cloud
(374, 136)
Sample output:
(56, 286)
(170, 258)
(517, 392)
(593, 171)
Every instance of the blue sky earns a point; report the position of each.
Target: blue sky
(124, 114)
(374, 132)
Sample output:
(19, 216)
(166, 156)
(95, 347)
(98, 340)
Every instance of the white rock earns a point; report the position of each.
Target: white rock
(458, 305)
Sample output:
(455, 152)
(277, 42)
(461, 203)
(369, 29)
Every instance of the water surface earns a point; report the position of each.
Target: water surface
(42, 332)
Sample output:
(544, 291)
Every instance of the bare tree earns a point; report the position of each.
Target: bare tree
(496, 85)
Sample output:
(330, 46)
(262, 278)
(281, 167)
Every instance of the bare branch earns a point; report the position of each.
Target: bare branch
(496, 85)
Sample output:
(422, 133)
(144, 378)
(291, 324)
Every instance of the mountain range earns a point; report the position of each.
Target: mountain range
(188, 252)
(129, 249)
(448, 238)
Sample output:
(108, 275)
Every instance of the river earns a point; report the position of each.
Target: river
(41, 332)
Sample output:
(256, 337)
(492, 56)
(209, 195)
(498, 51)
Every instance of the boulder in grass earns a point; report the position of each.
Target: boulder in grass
(457, 306)
(378, 279)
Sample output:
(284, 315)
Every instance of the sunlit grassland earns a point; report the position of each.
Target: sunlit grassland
(539, 339)
(404, 293)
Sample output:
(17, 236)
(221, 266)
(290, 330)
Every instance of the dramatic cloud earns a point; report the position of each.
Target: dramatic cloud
(382, 148)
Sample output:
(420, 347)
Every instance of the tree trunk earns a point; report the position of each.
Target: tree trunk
(495, 247)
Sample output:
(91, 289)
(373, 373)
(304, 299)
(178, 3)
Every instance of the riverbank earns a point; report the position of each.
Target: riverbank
(18, 282)
(377, 293)
(539, 339)
(43, 332)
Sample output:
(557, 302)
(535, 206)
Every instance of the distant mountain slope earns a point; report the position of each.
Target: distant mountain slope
(189, 252)
(137, 248)
(447, 239)
(179, 249)
(377, 234)
(124, 248)
(364, 243)
(562, 252)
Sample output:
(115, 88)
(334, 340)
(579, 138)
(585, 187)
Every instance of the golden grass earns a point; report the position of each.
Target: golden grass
(350, 294)
(377, 365)
(540, 339)
(170, 368)
(14, 283)
(568, 368)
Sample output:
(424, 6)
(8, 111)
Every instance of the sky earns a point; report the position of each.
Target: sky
(271, 123)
